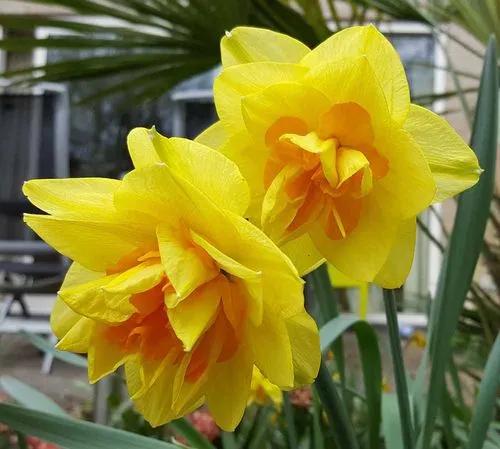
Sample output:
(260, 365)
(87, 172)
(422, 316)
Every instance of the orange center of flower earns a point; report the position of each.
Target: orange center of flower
(149, 332)
(329, 170)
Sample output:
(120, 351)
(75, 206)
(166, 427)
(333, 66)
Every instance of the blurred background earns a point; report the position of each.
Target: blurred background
(76, 76)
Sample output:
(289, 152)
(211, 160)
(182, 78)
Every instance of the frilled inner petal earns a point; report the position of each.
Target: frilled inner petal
(192, 330)
(323, 172)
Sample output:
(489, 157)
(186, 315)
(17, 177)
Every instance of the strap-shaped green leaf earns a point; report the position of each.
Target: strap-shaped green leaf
(195, 438)
(485, 403)
(28, 397)
(370, 362)
(47, 347)
(73, 434)
(465, 243)
(391, 422)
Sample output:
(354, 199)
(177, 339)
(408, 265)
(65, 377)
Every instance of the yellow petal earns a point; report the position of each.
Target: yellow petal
(95, 245)
(238, 81)
(349, 162)
(272, 350)
(74, 331)
(453, 164)
(248, 156)
(304, 341)
(408, 185)
(185, 265)
(264, 108)
(262, 385)
(62, 318)
(133, 376)
(278, 210)
(215, 175)
(224, 261)
(369, 42)
(141, 149)
(78, 274)
(103, 358)
(282, 286)
(363, 252)
(311, 142)
(153, 193)
(167, 399)
(138, 279)
(74, 198)
(214, 136)
(173, 197)
(351, 80)
(89, 299)
(106, 298)
(248, 281)
(191, 317)
(228, 388)
(141, 373)
(303, 253)
(156, 403)
(395, 270)
(245, 44)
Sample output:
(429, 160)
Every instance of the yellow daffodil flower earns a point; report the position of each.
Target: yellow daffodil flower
(171, 281)
(263, 392)
(339, 162)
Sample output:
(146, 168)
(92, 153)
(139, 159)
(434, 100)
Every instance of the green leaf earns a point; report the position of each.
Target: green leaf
(336, 410)
(195, 438)
(45, 346)
(258, 432)
(170, 38)
(326, 298)
(70, 433)
(291, 431)
(399, 369)
(317, 432)
(485, 402)
(370, 362)
(229, 440)
(391, 422)
(466, 242)
(29, 397)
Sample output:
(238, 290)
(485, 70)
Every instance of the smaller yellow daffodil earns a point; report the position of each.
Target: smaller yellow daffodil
(171, 281)
(263, 391)
(338, 160)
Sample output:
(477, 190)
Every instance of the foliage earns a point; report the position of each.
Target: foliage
(150, 46)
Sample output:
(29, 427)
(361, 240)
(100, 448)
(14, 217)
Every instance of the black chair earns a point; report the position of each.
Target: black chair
(26, 266)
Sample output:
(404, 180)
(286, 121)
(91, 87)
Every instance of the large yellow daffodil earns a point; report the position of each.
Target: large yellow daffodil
(338, 160)
(169, 280)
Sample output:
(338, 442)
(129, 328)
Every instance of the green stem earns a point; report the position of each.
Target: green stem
(327, 300)
(290, 422)
(399, 370)
(335, 409)
(186, 429)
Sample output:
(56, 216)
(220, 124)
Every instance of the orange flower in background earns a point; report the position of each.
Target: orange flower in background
(339, 162)
(170, 281)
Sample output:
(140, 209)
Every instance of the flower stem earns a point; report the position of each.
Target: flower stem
(399, 370)
(327, 300)
(335, 409)
(290, 422)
